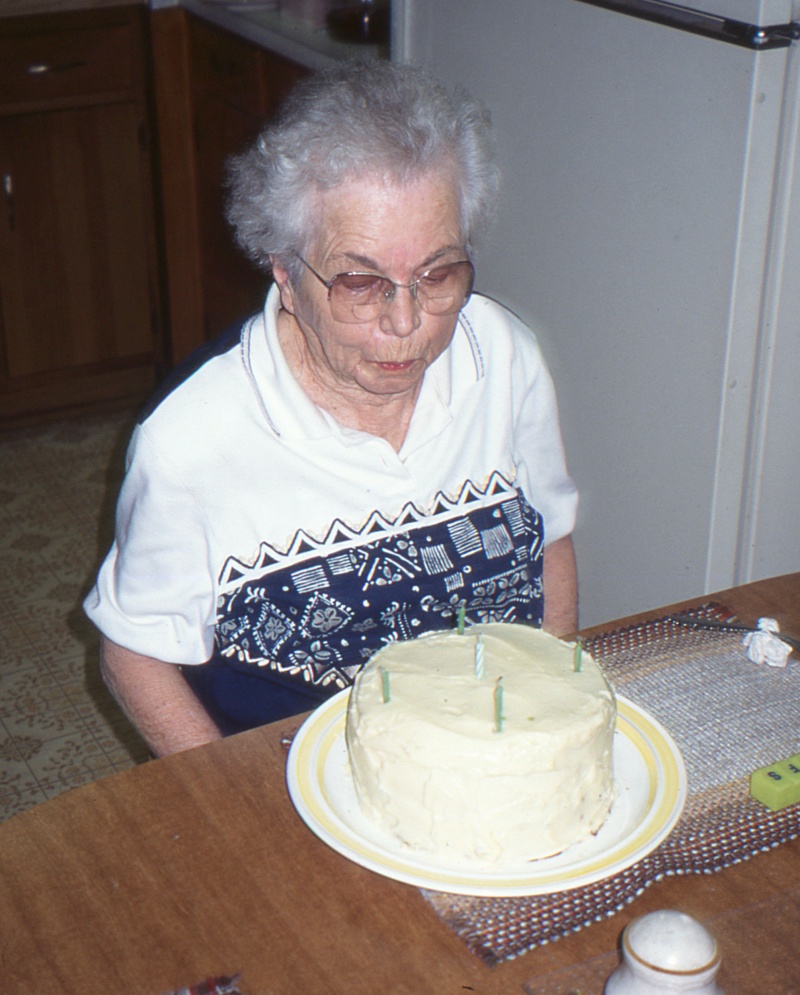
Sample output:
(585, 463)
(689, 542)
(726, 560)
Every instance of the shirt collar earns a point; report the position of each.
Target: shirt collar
(291, 414)
(288, 410)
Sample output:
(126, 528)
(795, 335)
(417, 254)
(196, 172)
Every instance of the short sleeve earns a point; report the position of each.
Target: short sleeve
(155, 593)
(538, 447)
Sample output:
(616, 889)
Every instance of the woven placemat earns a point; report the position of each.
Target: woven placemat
(728, 716)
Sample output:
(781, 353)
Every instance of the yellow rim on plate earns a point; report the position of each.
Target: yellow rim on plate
(319, 785)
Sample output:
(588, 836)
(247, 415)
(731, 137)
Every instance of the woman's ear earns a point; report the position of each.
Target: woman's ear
(281, 277)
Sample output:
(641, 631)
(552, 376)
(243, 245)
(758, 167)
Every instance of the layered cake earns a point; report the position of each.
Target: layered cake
(490, 746)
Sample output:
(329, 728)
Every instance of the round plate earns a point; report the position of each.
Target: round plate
(651, 791)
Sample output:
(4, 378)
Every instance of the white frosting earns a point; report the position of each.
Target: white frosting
(430, 766)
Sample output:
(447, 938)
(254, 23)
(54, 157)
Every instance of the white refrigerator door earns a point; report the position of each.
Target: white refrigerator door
(643, 167)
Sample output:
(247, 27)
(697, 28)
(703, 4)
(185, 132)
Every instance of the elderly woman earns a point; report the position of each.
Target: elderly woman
(376, 450)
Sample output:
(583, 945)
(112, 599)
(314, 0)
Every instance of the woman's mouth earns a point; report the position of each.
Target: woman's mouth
(396, 367)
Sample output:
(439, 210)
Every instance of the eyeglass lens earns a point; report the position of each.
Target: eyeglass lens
(364, 296)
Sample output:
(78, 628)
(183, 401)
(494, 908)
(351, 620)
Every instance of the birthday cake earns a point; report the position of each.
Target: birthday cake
(491, 746)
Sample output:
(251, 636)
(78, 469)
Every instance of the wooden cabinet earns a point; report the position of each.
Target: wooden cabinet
(214, 91)
(79, 288)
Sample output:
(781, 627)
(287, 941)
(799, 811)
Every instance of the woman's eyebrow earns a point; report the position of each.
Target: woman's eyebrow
(368, 263)
(444, 251)
(356, 260)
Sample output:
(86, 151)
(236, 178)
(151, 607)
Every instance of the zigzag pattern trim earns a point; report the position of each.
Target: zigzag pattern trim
(498, 487)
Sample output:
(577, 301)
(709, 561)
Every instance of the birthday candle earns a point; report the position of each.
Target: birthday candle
(480, 666)
(577, 662)
(460, 619)
(385, 684)
(498, 705)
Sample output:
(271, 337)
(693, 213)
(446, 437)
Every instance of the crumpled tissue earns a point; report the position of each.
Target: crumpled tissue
(764, 646)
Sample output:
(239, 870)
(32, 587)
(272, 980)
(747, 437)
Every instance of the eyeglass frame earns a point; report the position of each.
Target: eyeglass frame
(410, 287)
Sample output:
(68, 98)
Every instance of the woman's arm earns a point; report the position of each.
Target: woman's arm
(560, 588)
(157, 700)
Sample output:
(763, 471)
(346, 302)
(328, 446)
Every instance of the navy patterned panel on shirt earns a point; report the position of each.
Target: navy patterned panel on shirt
(316, 612)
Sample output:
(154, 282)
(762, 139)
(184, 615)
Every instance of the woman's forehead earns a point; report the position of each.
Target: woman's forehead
(369, 221)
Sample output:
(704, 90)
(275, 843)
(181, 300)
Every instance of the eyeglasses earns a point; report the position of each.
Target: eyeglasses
(356, 297)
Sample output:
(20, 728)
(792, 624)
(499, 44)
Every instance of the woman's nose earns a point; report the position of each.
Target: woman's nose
(402, 316)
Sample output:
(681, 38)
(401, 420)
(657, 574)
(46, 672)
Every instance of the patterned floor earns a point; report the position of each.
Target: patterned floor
(59, 727)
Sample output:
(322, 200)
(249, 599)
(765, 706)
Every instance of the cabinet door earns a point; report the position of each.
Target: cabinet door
(213, 92)
(227, 96)
(236, 86)
(73, 241)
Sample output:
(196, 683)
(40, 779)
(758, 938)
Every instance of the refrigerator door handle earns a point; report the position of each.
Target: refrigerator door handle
(753, 36)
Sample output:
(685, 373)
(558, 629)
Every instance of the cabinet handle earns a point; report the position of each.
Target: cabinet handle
(8, 190)
(42, 68)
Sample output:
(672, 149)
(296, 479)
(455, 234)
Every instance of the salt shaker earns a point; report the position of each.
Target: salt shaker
(664, 953)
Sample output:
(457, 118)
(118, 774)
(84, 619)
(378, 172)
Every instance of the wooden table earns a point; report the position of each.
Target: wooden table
(197, 865)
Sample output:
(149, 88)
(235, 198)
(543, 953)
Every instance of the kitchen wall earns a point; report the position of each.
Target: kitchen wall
(644, 233)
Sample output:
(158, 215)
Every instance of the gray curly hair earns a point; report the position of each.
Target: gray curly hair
(355, 119)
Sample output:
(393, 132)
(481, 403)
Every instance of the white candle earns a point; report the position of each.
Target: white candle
(480, 666)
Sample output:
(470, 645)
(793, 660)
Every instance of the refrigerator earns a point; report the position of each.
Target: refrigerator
(650, 232)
